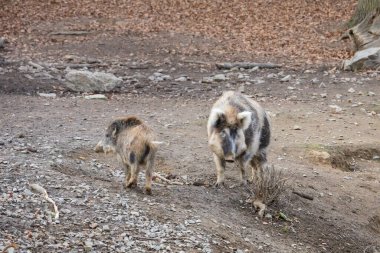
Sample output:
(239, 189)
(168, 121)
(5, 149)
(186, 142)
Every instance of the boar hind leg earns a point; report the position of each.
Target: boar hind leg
(134, 171)
(127, 171)
(220, 167)
(149, 174)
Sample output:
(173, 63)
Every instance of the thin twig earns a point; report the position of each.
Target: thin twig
(74, 33)
(167, 180)
(303, 195)
(39, 189)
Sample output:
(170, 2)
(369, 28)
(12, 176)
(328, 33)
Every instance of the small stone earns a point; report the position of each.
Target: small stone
(319, 156)
(207, 80)
(336, 109)
(93, 225)
(47, 95)
(338, 96)
(219, 77)
(351, 90)
(314, 81)
(20, 135)
(86, 81)
(181, 79)
(296, 127)
(106, 228)
(88, 245)
(323, 95)
(268, 216)
(371, 94)
(96, 96)
(286, 78)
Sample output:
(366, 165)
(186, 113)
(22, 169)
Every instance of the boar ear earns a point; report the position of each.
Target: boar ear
(114, 129)
(245, 119)
(217, 118)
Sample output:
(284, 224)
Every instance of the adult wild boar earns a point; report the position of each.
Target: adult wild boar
(133, 143)
(238, 131)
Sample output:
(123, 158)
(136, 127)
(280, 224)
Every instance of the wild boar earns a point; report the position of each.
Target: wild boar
(238, 130)
(133, 143)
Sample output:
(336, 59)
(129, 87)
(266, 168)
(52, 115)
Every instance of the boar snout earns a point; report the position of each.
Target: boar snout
(99, 147)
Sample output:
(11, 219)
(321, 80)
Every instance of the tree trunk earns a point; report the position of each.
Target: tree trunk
(364, 32)
(363, 8)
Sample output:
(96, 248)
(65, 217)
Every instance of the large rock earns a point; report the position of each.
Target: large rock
(86, 81)
(364, 59)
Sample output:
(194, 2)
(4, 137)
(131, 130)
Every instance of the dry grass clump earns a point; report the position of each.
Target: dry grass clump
(268, 184)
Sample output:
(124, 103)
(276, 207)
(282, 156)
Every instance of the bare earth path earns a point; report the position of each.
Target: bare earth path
(169, 79)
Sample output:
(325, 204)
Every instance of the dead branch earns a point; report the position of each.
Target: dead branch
(73, 33)
(167, 180)
(12, 245)
(197, 62)
(303, 195)
(39, 189)
(246, 65)
(81, 65)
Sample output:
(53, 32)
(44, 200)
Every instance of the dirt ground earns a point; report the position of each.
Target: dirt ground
(313, 109)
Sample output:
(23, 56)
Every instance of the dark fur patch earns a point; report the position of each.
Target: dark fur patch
(265, 134)
(233, 132)
(132, 157)
(145, 154)
(221, 122)
(248, 134)
(226, 145)
(121, 124)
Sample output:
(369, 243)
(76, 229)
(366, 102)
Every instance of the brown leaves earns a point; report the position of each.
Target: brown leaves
(292, 28)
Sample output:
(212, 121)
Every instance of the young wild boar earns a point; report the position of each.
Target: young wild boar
(132, 141)
(238, 131)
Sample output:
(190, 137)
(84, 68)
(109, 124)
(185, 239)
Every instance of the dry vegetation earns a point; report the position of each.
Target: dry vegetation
(268, 184)
(303, 31)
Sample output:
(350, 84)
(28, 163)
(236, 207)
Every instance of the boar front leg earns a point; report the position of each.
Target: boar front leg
(243, 164)
(220, 168)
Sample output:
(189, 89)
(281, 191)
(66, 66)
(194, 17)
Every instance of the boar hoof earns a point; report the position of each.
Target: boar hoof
(130, 185)
(148, 191)
(219, 184)
(244, 183)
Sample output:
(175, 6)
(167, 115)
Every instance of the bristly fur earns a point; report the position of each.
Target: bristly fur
(240, 126)
(133, 143)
